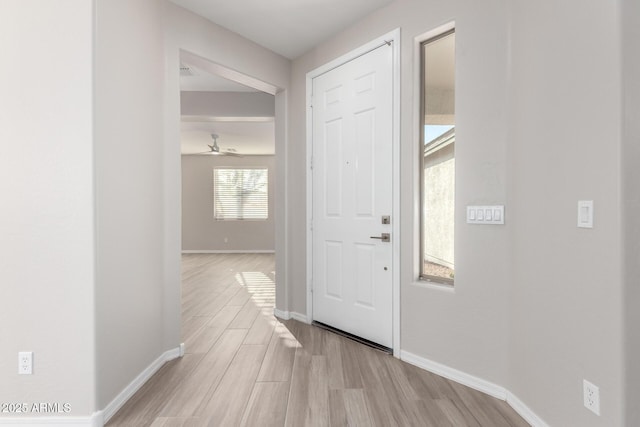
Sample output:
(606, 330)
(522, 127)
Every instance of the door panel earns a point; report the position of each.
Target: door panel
(333, 266)
(365, 266)
(352, 190)
(365, 163)
(333, 155)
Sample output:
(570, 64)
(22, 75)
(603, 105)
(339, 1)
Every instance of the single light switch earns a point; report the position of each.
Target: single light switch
(585, 213)
(497, 216)
(480, 215)
(472, 214)
(488, 215)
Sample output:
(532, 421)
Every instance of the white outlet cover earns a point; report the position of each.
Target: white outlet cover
(591, 397)
(25, 363)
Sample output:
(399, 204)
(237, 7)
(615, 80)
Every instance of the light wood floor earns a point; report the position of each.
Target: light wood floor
(243, 367)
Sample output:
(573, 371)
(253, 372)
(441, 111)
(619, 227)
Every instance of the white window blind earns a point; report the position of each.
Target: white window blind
(240, 194)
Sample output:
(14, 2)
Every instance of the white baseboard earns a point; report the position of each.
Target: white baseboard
(203, 251)
(300, 317)
(138, 382)
(524, 411)
(286, 315)
(281, 314)
(455, 375)
(95, 420)
(475, 383)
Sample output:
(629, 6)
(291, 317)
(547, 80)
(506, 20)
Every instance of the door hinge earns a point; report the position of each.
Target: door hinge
(311, 163)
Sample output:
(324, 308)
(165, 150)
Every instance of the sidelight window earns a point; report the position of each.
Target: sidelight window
(437, 159)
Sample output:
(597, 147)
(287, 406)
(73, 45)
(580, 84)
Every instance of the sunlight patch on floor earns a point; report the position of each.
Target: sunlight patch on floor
(260, 286)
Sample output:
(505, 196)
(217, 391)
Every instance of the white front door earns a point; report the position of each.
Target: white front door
(352, 191)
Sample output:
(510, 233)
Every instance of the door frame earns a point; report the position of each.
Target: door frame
(392, 37)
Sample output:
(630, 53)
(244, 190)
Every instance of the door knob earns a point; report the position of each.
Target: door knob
(385, 237)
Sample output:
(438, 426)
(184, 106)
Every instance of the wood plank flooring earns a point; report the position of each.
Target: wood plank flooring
(243, 367)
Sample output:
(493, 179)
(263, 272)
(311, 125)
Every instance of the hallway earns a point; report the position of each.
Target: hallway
(244, 367)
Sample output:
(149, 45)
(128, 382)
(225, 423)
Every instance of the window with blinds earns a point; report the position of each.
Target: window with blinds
(240, 194)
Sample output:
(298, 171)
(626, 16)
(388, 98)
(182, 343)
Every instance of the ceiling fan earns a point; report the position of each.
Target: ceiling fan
(214, 149)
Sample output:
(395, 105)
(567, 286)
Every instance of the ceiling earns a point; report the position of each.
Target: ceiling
(287, 27)
(440, 62)
(194, 79)
(439, 81)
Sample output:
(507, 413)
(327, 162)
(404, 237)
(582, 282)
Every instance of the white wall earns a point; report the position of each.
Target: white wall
(586, 284)
(227, 104)
(83, 174)
(46, 221)
(630, 156)
(538, 128)
(132, 309)
(564, 146)
(200, 231)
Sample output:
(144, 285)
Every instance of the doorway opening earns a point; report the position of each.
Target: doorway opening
(228, 169)
(227, 140)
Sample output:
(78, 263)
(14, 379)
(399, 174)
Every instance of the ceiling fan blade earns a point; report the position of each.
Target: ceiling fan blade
(203, 153)
(214, 150)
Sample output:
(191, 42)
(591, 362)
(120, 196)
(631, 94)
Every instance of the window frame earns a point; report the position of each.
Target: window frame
(422, 277)
(238, 168)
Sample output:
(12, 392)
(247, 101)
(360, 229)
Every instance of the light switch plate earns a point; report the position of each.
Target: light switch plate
(487, 215)
(585, 213)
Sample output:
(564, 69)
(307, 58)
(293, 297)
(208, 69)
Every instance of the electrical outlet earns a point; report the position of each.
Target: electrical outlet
(25, 362)
(591, 397)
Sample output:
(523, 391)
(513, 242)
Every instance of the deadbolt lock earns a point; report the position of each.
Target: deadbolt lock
(386, 219)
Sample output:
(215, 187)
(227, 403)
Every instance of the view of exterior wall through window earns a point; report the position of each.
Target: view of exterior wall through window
(437, 158)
